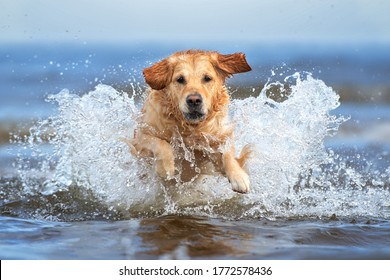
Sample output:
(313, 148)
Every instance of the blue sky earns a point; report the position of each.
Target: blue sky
(120, 20)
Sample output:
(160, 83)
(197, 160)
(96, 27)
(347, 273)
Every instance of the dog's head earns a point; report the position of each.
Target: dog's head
(194, 79)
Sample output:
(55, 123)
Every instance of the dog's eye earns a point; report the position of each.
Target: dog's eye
(181, 80)
(207, 79)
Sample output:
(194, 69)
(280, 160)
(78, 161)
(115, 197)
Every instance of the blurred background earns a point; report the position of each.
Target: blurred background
(46, 46)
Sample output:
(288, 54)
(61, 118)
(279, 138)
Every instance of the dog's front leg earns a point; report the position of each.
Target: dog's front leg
(162, 153)
(236, 175)
(165, 161)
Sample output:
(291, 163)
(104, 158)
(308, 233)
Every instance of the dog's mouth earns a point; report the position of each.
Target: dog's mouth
(194, 116)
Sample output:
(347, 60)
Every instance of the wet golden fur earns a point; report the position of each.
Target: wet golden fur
(168, 114)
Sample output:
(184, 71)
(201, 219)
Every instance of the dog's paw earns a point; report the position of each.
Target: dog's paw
(165, 168)
(240, 181)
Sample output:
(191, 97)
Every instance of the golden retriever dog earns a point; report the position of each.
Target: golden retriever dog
(188, 102)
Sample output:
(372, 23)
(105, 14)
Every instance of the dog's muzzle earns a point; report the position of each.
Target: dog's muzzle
(195, 108)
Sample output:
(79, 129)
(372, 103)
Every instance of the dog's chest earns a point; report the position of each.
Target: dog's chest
(198, 141)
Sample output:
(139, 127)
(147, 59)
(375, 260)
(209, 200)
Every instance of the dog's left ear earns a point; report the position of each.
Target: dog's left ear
(231, 64)
(158, 75)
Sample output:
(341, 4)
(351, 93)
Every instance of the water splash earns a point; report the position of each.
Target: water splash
(292, 173)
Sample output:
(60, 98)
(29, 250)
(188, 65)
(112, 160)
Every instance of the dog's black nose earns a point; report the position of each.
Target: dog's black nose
(194, 100)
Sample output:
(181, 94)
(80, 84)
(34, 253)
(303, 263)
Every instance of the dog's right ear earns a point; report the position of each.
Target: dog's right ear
(158, 75)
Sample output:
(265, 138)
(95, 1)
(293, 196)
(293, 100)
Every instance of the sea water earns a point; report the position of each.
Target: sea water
(292, 173)
(70, 189)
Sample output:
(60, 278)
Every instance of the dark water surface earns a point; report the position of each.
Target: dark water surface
(320, 176)
(184, 237)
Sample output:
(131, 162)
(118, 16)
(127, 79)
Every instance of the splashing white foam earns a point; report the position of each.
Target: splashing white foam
(292, 173)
